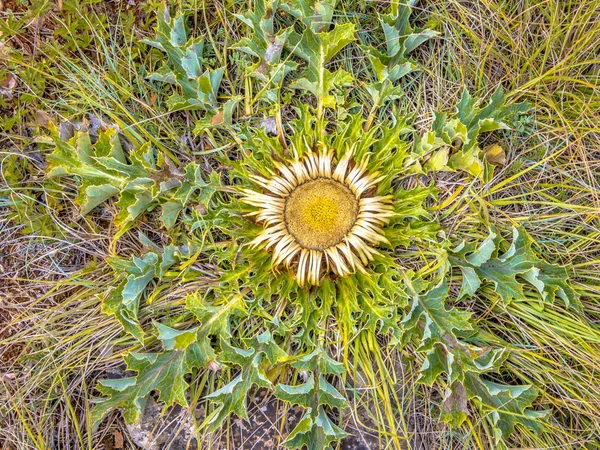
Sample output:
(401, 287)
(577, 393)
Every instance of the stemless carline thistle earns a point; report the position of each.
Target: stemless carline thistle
(320, 216)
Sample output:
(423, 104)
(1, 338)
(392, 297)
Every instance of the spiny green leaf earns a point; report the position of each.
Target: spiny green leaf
(185, 66)
(509, 272)
(164, 372)
(75, 157)
(329, 395)
(315, 431)
(430, 311)
(266, 45)
(505, 406)
(252, 360)
(123, 302)
(142, 183)
(401, 38)
(214, 317)
(464, 128)
(318, 49)
(378, 299)
(322, 87)
(309, 395)
(319, 360)
(173, 339)
(315, 14)
(301, 394)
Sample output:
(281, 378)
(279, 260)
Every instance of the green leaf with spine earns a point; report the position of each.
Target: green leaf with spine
(184, 350)
(509, 271)
(215, 316)
(123, 302)
(266, 45)
(185, 66)
(372, 301)
(315, 430)
(164, 371)
(429, 317)
(314, 14)
(390, 66)
(264, 291)
(384, 145)
(318, 49)
(439, 331)
(143, 179)
(452, 143)
(260, 351)
(506, 406)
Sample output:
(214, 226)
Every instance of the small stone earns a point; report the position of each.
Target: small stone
(270, 125)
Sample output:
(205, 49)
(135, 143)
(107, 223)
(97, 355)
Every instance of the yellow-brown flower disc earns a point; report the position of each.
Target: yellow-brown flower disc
(318, 217)
(319, 213)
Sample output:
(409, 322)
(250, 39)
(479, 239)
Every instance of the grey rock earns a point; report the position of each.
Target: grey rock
(173, 430)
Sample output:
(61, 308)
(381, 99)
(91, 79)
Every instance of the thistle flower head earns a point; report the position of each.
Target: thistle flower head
(319, 216)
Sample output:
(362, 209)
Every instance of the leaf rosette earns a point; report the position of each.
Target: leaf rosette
(314, 250)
